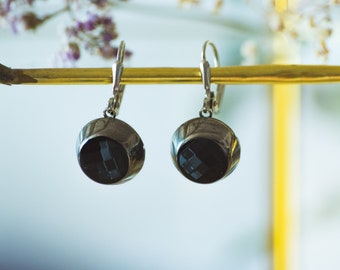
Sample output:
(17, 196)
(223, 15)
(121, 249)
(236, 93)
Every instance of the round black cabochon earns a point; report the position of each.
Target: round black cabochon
(202, 160)
(104, 160)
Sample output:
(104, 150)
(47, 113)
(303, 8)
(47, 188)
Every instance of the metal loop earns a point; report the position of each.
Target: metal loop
(109, 111)
(206, 113)
(211, 101)
(114, 103)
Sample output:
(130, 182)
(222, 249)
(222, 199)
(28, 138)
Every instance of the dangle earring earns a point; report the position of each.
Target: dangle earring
(205, 149)
(109, 150)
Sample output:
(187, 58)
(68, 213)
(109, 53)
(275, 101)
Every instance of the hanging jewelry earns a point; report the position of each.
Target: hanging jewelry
(110, 151)
(205, 149)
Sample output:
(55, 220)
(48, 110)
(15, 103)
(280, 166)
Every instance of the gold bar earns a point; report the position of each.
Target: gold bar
(285, 107)
(279, 179)
(262, 74)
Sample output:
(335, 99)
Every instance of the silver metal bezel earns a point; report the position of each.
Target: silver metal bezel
(208, 128)
(120, 132)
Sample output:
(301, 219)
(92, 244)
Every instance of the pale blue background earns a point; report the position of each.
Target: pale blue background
(53, 217)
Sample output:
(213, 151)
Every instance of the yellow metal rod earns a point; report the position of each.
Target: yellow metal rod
(262, 74)
(285, 109)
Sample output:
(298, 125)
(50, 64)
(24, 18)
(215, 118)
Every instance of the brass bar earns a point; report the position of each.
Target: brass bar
(262, 74)
(285, 102)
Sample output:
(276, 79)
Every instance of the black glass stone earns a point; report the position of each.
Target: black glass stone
(104, 160)
(202, 160)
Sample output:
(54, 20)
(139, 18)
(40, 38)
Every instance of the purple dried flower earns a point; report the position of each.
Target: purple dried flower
(89, 25)
(72, 52)
(94, 34)
(100, 3)
(14, 24)
(71, 32)
(30, 2)
(106, 20)
(107, 37)
(2, 11)
(108, 52)
(79, 26)
(8, 5)
(5, 8)
(93, 17)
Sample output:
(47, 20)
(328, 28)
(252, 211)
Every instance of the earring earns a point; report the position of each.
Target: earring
(109, 150)
(205, 149)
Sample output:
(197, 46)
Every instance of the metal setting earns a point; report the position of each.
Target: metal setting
(216, 154)
(110, 151)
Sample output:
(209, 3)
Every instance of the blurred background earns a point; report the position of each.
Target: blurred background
(53, 217)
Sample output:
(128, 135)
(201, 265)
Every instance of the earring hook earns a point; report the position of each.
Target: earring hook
(211, 103)
(114, 103)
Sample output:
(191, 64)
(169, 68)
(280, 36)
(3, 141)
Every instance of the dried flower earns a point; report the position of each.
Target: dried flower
(95, 33)
(218, 6)
(71, 52)
(307, 17)
(249, 52)
(99, 3)
(108, 52)
(192, 2)
(311, 17)
(31, 21)
(30, 2)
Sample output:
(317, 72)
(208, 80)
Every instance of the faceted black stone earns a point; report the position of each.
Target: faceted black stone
(202, 160)
(104, 160)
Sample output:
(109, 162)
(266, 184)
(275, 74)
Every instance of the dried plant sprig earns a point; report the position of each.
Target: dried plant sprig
(191, 2)
(308, 16)
(217, 5)
(313, 17)
(95, 34)
(20, 16)
(91, 26)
